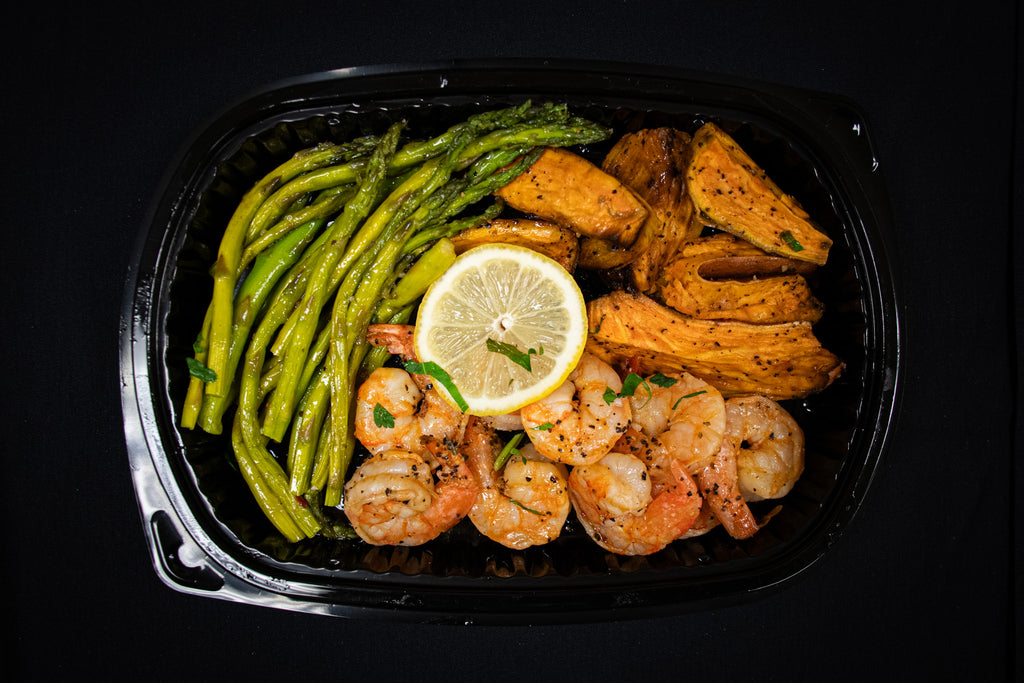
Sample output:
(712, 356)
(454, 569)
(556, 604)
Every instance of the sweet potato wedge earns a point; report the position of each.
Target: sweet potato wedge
(780, 361)
(721, 277)
(605, 254)
(569, 190)
(653, 162)
(561, 244)
(730, 189)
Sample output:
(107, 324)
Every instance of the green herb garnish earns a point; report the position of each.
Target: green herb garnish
(200, 371)
(788, 238)
(516, 502)
(629, 386)
(661, 380)
(382, 417)
(512, 352)
(510, 449)
(546, 427)
(438, 373)
(680, 399)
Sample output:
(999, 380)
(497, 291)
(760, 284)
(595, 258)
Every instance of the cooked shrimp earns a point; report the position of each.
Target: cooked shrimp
(524, 504)
(575, 424)
(397, 497)
(687, 419)
(769, 446)
(719, 487)
(654, 455)
(631, 509)
(706, 521)
(397, 338)
(508, 422)
(414, 406)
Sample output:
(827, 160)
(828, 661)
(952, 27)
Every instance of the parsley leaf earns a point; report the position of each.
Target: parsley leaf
(680, 399)
(510, 449)
(382, 417)
(200, 371)
(788, 238)
(661, 380)
(435, 371)
(516, 502)
(629, 386)
(512, 352)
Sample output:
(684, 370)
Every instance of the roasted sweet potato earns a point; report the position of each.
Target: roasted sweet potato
(653, 162)
(721, 277)
(561, 244)
(730, 189)
(780, 361)
(569, 190)
(605, 254)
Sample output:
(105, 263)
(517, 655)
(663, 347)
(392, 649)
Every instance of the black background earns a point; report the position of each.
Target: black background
(99, 98)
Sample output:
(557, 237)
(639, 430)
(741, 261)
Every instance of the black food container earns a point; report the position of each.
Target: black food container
(208, 537)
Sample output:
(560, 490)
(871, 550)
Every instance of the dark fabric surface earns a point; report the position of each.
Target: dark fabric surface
(99, 99)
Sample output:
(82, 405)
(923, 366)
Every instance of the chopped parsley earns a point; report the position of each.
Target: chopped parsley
(382, 417)
(438, 373)
(514, 354)
(680, 399)
(516, 502)
(791, 241)
(633, 382)
(661, 380)
(200, 371)
(510, 449)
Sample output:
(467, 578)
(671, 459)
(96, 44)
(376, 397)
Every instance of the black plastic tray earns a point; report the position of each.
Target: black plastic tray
(207, 536)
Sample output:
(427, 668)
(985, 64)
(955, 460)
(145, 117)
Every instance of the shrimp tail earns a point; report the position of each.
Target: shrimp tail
(678, 506)
(457, 485)
(719, 486)
(397, 338)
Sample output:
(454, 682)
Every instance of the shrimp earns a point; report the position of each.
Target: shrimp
(632, 509)
(397, 338)
(654, 455)
(398, 497)
(719, 487)
(769, 446)
(687, 419)
(575, 424)
(416, 409)
(706, 521)
(508, 422)
(411, 402)
(523, 505)
(690, 420)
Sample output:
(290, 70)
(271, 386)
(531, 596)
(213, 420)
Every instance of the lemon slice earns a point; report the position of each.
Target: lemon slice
(497, 303)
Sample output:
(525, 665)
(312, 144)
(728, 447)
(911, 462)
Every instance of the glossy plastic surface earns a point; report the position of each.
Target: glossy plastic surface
(208, 537)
